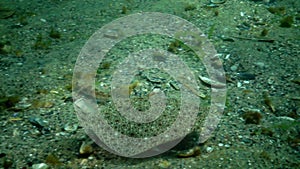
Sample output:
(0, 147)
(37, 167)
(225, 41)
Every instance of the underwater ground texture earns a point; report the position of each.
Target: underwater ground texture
(257, 41)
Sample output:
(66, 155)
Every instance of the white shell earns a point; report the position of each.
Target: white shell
(211, 82)
(218, 1)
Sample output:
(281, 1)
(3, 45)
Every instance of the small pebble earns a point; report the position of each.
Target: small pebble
(209, 149)
(227, 56)
(38, 122)
(271, 80)
(259, 64)
(234, 68)
(239, 84)
(40, 166)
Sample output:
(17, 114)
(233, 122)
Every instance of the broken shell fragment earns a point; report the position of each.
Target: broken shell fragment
(86, 148)
(212, 83)
(70, 127)
(190, 153)
(218, 1)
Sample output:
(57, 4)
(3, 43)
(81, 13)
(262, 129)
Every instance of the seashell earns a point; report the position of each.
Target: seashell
(86, 148)
(212, 83)
(217, 1)
(190, 153)
(70, 128)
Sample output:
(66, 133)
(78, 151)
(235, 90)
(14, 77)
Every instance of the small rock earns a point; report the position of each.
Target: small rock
(43, 20)
(209, 149)
(234, 68)
(259, 64)
(226, 145)
(38, 122)
(40, 166)
(239, 84)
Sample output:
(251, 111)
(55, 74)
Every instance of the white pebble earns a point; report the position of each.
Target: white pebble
(209, 149)
(239, 84)
(234, 68)
(227, 56)
(40, 166)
